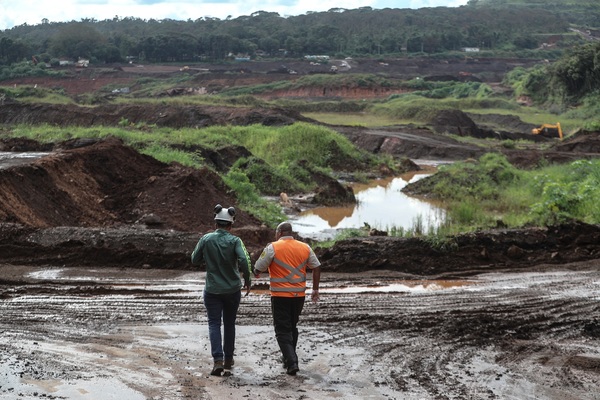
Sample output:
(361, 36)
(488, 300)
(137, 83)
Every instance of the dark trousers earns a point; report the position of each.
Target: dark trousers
(286, 314)
(222, 307)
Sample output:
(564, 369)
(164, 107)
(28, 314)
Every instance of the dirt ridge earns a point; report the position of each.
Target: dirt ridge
(462, 255)
(467, 254)
(151, 114)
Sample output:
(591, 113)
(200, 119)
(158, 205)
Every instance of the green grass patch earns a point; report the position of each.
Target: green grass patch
(420, 109)
(250, 199)
(198, 99)
(27, 69)
(168, 155)
(152, 87)
(32, 94)
(365, 119)
(492, 192)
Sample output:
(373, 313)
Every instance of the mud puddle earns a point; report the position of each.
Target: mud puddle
(401, 287)
(9, 159)
(380, 204)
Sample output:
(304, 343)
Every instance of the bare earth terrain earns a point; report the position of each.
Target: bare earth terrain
(99, 300)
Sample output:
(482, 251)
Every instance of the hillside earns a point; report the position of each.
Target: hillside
(494, 26)
(578, 12)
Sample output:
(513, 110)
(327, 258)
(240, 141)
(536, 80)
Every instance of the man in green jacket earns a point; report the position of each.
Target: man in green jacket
(225, 256)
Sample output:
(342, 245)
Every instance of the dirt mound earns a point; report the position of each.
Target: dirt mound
(581, 142)
(410, 141)
(467, 254)
(583, 145)
(108, 184)
(511, 123)
(459, 123)
(154, 114)
(455, 122)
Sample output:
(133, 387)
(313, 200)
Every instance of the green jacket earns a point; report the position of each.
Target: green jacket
(225, 257)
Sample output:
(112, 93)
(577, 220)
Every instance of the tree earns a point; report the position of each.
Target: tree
(323, 39)
(364, 31)
(168, 48)
(13, 51)
(579, 71)
(269, 45)
(295, 45)
(216, 47)
(109, 54)
(525, 42)
(77, 40)
(125, 43)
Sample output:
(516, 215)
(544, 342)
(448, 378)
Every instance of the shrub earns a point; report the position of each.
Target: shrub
(267, 180)
(556, 204)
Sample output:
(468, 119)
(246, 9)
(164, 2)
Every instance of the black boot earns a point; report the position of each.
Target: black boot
(292, 369)
(290, 358)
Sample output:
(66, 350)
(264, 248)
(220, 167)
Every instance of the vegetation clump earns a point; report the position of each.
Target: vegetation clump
(568, 86)
(491, 192)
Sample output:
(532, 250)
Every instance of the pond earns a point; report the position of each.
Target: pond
(380, 205)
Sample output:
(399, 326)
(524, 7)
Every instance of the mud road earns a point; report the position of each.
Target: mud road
(70, 333)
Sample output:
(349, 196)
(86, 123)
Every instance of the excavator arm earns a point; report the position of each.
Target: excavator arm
(549, 130)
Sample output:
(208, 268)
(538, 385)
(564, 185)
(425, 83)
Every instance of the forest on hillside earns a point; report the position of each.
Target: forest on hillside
(488, 25)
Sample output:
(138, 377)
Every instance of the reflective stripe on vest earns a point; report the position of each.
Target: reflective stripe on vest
(287, 280)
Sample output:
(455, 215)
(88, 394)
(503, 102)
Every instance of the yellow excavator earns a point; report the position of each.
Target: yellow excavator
(549, 130)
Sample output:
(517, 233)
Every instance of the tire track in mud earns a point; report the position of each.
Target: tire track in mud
(434, 338)
(529, 335)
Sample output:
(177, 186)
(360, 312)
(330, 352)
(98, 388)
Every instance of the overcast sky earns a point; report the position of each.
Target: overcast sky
(31, 12)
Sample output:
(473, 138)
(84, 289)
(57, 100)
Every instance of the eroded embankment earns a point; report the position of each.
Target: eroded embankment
(107, 184)
(467, 253)
(160, 115)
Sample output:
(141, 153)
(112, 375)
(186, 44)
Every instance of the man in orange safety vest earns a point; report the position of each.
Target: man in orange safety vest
(286, 260)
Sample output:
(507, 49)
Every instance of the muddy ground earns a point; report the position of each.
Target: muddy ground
(120, 333)
(211, 78)
(99, 299)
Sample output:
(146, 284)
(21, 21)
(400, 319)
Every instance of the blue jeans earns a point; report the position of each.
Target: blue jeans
(222, 307)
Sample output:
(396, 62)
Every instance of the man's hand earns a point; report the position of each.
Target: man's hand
(256, 273)
(247, 285)
(314, 296)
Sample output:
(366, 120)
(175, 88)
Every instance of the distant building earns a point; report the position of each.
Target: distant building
(317, 58)
(470, 49)
(82, 63)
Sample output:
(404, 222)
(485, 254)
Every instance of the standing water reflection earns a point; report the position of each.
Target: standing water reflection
(380, 204)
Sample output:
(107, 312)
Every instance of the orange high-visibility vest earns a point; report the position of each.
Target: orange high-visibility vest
(288, 268)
